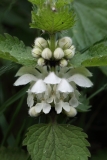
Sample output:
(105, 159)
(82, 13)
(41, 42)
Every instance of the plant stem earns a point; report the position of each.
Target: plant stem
(52, 42)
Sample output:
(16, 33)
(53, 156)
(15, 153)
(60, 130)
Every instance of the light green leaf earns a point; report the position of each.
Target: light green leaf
(91, 23)
(12, 154)
(93, 56)
(56, 142)
(13, 49)
(51, 21)
(84, 104)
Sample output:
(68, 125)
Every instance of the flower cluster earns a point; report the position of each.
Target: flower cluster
(53, 89)
(64, 50)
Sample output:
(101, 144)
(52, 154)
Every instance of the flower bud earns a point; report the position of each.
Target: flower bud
(72, 112)
(69, 53)
(72, 49)
(36, 52)
(63, 62)
(32, 112)
(58, 53)
(41, 62)
(46, 53)
(65, 42)
(41, 42)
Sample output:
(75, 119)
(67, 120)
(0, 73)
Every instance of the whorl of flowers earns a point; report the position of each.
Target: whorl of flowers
(53, 84)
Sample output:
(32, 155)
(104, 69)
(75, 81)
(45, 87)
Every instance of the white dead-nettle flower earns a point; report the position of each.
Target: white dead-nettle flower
(58, 53)
(41, 43)
(36, 52)
(46, 53)
(63, 62)
(52, 89)
(41, 62)
(65, 42)
(69, 53)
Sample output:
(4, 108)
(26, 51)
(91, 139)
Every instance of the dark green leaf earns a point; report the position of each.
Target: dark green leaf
(56, 142)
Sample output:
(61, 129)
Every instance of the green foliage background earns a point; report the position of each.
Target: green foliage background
(90, 27)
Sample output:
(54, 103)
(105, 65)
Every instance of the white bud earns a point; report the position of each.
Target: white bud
(41, 42)
(69, 53)
(72, 49)
(32, 112)
(41, 62)
(63, 62)
(72, 112)
(46, 53)
(36, 52)
(65, 42)
(58, 53)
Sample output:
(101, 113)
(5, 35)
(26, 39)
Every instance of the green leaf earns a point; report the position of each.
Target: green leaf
(55, 142)
(51, 21)
(12, 154)
(91, 24)
(13, 49)
(95, 55)
(84, 104)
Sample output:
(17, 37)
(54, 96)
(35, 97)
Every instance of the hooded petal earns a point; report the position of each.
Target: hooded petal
(26, 78)
(32, 112)
(39, 87)
(52, 78)
(80, 80)
(46, 108)
(64, 86)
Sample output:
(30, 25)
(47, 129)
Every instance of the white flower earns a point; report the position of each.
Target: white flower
(41, 62)
(60, 105)
(63, 62)
(30, 98)
(32, 112)
(72, 112)
(65, 42)
(58, 53)
(68, 53)
(43, 106)
(41, 42)
(36, 52)
(46, 53)
(52, 78)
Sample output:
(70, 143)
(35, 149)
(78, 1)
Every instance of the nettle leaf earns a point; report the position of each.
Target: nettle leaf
(84, 104)
(11, 48)
(56, 142)
(50, 21)
(12, 154)
(94, 56)
(91, 23)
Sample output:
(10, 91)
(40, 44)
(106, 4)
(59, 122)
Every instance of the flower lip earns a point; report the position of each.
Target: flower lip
(52, 78)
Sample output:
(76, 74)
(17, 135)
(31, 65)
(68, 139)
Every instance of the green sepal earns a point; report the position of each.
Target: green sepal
(11, 48)
(55, 142)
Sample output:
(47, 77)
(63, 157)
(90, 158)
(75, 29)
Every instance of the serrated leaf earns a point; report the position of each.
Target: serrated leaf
(13, 49)
(12, 154)
(56, 142)
(51, 21)
(84, 104)
(95, 55)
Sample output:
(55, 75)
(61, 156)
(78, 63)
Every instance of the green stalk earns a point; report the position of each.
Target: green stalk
(52, 41)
